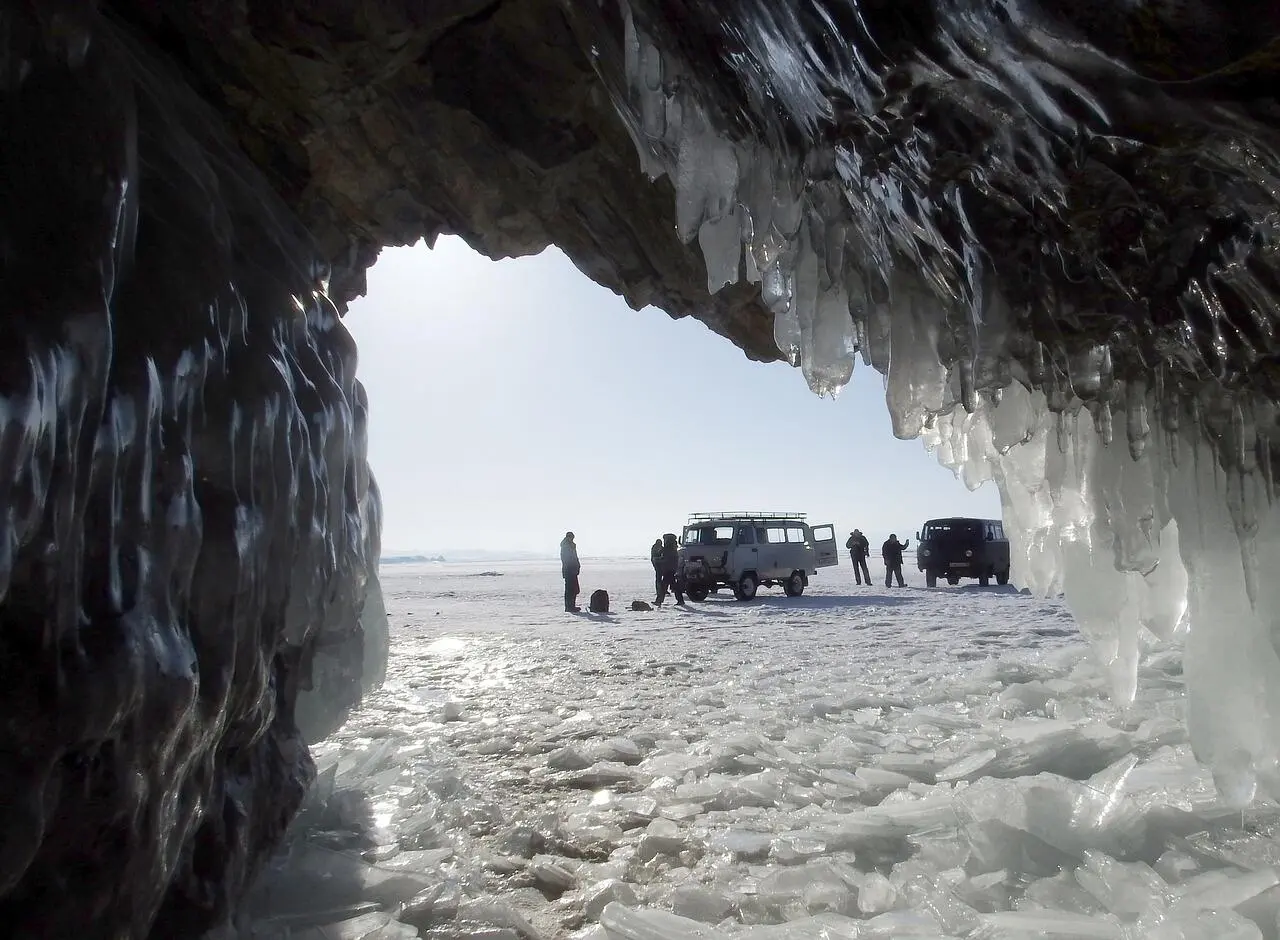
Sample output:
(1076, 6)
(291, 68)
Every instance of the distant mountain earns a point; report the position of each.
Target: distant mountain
(410, 559)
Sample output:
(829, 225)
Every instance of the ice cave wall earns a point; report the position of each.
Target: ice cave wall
(189, 521)
(1052, 226)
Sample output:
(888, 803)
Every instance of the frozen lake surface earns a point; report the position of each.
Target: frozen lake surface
(855, 763)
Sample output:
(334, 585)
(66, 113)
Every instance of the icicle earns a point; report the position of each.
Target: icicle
(806, 295)
(1106, 605)
(788, 209)
(1102, 415)
(1232, 670)
(834, 252)
(1164, 603)
(749, 270)
(721, 244)
(829, 357)
(706, 182)
(777, 288)
(967, 394)
(653, 103)
(630, 46)
(917, 381)
(1137, 428)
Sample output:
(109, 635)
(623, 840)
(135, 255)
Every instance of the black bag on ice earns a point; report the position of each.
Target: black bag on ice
(599, 602)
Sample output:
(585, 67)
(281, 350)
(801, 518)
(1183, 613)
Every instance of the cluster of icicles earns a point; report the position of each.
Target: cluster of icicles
(1144, 541)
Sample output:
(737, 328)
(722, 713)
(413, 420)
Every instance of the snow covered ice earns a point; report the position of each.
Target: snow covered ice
(855, 763)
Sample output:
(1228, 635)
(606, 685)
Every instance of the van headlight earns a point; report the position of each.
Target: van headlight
(969, 553)
(924, 553)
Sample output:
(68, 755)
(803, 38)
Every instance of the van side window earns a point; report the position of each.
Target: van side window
(999, 527)
(746, 535)
(777, 535)
(795, 534)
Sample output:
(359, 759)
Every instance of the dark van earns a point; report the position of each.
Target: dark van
(963, 548)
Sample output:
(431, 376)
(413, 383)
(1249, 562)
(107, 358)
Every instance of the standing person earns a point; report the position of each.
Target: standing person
(859, 549)
(670, 565)
(570, 567)
(655, 558)
(892, 552)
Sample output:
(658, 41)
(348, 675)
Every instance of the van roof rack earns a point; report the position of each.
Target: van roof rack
(751, 516)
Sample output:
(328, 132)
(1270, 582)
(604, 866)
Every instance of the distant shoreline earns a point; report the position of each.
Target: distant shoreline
(494, 559)
(517, 558)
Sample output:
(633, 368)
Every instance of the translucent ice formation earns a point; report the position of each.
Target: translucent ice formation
(1134, 468)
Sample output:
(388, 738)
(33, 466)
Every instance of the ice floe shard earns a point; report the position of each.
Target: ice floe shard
(623, 923)
(1033, 925)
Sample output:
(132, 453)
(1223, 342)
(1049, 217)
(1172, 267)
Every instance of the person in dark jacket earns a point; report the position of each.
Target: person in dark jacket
(655, 558)
(859, 549)
(892, 552)
(667, 571)
(570, 567)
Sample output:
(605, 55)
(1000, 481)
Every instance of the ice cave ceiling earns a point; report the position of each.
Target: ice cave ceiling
(1052, 225)
(1110, 164)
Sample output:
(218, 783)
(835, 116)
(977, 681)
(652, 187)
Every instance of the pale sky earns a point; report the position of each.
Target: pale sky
(510, 401)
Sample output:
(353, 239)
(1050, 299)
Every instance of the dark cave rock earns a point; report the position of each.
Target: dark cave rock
(188, 502)
(190, 193)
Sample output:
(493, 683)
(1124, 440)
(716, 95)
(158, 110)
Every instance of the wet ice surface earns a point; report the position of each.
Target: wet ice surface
(858, 762)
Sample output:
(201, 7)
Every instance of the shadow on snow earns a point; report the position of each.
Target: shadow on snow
(819, 601)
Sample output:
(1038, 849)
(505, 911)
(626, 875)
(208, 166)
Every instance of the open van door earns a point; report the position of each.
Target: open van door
(826, 552)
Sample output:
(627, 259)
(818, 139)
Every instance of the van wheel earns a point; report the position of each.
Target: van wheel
(953, 581)
(697, 595)
(794, 585)
(931, 578)
(1002, 577)
(984, 579)
(745, 589)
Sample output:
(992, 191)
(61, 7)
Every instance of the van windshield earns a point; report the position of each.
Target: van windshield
(709, 535)
(953, 529)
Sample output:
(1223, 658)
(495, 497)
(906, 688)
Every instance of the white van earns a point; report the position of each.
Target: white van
(743, 550)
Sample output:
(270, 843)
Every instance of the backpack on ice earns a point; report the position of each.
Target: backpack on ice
(599, 602)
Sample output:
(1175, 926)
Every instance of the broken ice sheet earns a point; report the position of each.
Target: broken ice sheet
(825, 926)
(1206, 925)
(696, 902)
(623, 923)
(1130, 890)
(603, 893)
(741, 844)
(310, 871)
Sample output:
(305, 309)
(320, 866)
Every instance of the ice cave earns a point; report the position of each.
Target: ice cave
(1052, 226)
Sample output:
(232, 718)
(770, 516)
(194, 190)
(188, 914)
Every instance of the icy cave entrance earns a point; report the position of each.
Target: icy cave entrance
(955, 764)
(513, 400)
(952, 764)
